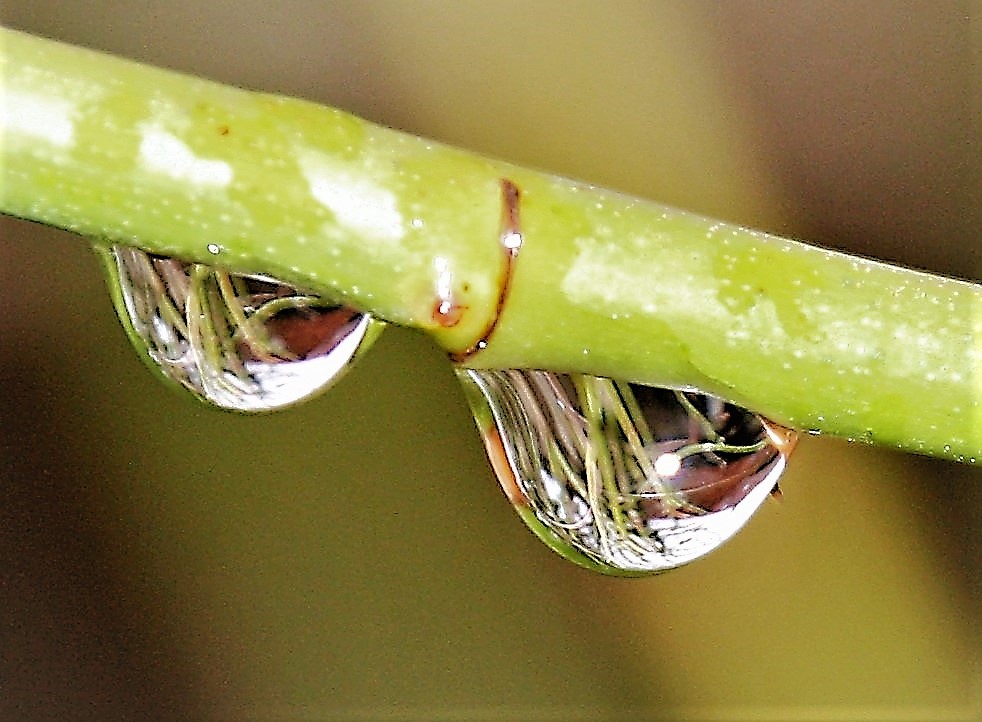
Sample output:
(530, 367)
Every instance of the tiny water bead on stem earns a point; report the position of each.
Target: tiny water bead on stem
(623, 478)
(239, 342)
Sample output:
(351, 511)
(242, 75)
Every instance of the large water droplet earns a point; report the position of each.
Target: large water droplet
(625, 478)
(245, 343)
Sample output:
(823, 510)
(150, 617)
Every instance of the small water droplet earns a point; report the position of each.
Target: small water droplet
(624, 478)
(214, 249)
(240, 342)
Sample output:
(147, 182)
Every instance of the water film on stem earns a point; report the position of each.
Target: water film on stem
(239, 342)
(624, 478)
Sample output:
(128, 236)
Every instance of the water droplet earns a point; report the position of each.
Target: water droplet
(624, 478)
(240, 342)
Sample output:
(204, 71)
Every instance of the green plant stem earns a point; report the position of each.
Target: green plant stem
(396, 225)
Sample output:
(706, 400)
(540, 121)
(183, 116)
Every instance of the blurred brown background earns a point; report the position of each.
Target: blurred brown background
(354, 558)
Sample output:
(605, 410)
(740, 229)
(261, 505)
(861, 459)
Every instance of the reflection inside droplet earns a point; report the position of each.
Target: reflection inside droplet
(245, 343)
(625, 478)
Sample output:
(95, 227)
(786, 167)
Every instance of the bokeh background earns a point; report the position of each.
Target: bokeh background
(354, 558)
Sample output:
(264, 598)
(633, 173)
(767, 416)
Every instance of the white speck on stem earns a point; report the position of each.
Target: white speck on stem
(43, 118)
(163, 152)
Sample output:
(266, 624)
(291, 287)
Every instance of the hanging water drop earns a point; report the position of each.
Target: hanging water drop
(240, 342)
(624, 478)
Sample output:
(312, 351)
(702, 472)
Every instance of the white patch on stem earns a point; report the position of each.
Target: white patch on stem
(358, 204)
(639, 275)
(43, 118)
(165, 153)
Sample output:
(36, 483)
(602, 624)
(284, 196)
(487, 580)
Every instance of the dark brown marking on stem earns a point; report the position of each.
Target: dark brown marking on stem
(447, 313)
(510, 240)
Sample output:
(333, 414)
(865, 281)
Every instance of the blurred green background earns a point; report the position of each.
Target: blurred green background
(354, 558)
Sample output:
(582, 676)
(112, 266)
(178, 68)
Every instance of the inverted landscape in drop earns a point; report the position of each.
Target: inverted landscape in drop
(625, 478)
(239, 342)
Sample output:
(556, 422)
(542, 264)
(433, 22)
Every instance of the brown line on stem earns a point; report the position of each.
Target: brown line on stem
(510, 240)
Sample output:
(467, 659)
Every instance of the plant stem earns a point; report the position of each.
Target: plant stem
(406, 229)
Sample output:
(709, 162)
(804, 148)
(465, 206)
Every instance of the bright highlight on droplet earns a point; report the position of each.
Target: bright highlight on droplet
(244, 343)
(668, 465)
(623, 478)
